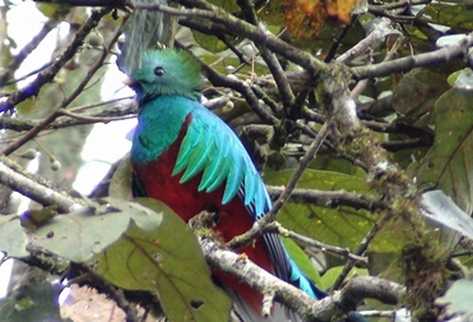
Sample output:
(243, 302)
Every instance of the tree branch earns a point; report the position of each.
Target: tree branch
(36, 191)
(340, 303)
(243, 28)
(259, 226)
(77, 91)
(26, 50)
(48, 75)
(439, 56)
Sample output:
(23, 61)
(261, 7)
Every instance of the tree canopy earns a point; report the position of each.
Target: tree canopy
(359, 115)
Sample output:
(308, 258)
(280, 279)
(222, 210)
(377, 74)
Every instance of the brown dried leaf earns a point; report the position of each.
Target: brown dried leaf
(305, 18)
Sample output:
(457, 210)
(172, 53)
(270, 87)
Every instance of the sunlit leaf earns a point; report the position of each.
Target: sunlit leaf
(53, 11)
(450, 40)
(442, 210)
(210, 43)
(121, 183)
(165, 259)
(458, 297)
(81, 236)
(464, 79)
(13, 239)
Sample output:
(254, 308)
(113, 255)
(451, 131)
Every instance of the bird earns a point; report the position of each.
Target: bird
(188, 158)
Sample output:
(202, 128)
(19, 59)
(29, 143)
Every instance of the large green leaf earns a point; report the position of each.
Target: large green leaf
(13, 238)
(166, 260)
(121, 184)
(449, 163)
(417, 91)
(81, 236)
(342, 226)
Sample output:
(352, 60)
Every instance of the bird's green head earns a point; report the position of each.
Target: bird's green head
(167, 72)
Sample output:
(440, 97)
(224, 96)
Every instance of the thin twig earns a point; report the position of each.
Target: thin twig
(260, 225)
(330, 199)
(243, 28)
(305, 241)
(47, 75)
(439, 56)
(360, 250)
(270, 58)
(35, 191)
(46, 122)
(26, 50)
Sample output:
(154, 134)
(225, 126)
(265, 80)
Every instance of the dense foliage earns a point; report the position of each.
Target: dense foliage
(358, 114)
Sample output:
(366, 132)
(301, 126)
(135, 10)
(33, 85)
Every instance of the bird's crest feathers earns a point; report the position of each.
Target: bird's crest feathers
(167, 72)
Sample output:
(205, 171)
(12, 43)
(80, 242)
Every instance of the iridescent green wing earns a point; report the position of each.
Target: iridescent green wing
(210, 147)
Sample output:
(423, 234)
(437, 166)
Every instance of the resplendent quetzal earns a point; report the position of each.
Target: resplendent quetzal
(188, 158)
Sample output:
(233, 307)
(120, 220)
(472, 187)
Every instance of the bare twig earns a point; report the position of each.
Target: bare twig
(90, 3)
(331, 199)
(46, 122)
(47, 75)
(243, 28)
(305, 241)
(403, 64)
(271, 60)
(260, 225)
(36, 191)
(25, 51)
(360, 250)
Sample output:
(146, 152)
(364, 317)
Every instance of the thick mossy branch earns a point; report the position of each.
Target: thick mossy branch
(398, 189)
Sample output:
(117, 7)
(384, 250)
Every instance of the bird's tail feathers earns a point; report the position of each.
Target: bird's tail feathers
(299, 280)
(242, 312)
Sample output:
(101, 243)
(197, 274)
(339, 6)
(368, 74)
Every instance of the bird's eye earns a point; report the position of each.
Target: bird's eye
(159, 71)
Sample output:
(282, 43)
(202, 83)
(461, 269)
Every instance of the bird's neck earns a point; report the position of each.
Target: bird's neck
(164, 91)
(159, 123)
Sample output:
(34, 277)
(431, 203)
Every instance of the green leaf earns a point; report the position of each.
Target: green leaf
(121, 183)
(417, 91)
(331, 275)
(301, 259)
(448, 164)
(342, 226)
(167, 260)
(208, 42)
(81, 236)
(458, 297)
(465, 79)
(13, 239)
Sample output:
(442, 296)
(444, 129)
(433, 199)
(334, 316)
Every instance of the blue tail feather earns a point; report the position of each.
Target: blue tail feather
(298, 279)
